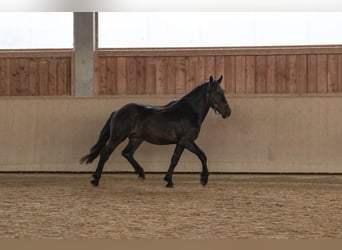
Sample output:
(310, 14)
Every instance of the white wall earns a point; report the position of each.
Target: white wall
(203, 29)
(263, 134)
(36, 30)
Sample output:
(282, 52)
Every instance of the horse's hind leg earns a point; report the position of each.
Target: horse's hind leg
(105, 153)
(128, 152)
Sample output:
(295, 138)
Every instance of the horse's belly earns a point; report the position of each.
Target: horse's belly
(156, 134)
(160, 141)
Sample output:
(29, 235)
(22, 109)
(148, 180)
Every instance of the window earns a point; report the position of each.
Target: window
(217, 29)
(36, 30)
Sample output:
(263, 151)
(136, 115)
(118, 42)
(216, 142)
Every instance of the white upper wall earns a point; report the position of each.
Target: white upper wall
(31, 30)
(170, 5)
(205, 29)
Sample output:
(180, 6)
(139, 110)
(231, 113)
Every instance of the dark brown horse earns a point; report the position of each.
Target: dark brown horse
(179, 122)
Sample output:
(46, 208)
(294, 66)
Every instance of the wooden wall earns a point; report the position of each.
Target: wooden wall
(256, 70)
(264, 70)
(36, 73)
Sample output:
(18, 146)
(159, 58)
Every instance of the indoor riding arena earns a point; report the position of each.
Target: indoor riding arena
(275, 164)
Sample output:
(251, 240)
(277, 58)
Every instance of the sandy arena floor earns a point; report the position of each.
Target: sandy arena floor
(55, 206)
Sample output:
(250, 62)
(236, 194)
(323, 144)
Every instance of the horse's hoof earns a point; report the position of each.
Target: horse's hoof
(204, 181)
(141, 177)
(95, 182)
(169, 185)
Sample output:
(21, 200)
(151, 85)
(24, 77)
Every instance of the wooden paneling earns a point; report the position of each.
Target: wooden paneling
(312, 74)
(151, 76)
(36, 73)
(180, 75)
(5, 78)
(280, 74)
(322, 73)
(121, 81)
(270, 74)
(339, 73)
(111, 68)
(229, 74)
(267, 70)
(260, 77)
(250, 74)
(240, 74)
(291, 73)
(332, 73)
(301, 74)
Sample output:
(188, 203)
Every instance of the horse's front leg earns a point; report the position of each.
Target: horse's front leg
(174, 160)
(191, 146)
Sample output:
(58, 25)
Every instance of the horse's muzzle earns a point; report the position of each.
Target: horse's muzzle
(226, 114)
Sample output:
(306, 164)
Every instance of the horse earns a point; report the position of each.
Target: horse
(178, 122)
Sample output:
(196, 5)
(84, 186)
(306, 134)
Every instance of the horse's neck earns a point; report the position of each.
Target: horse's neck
(199, 104)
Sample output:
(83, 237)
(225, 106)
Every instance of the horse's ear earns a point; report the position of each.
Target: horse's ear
(211, 79)
(220, 79)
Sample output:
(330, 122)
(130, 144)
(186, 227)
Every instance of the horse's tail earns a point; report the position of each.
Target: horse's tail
(101, 142)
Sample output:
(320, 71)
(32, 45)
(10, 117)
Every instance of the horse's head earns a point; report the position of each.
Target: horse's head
(216, 98)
